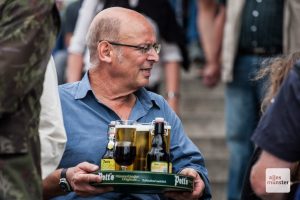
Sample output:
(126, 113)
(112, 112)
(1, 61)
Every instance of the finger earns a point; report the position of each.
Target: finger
(80, 182)
(84, 188)
(199, 187)
(88, 178)
(88, 167)
(198, 182)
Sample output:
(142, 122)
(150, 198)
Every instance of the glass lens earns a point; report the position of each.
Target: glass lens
(156, 47)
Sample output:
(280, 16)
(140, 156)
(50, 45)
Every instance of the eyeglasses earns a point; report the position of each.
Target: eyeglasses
(143, 48)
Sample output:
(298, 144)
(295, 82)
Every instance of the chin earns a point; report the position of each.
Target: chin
(144, 83)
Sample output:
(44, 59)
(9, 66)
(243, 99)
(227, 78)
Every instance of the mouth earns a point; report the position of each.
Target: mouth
(146, 72)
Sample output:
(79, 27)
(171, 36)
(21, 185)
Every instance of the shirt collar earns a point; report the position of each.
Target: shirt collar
(83, 87)
(145, 98)
(142, 94)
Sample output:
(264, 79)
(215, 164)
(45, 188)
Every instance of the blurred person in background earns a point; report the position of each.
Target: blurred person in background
(186, 14)
(27, 36)
(69, 17)
(51, 127)
(278, 132)
(275, 72)
(246, 43)
(211, 18)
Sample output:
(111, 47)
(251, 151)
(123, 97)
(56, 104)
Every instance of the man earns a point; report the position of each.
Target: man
(253, 31)
(278, 135)
(27, 35)
(123, 49)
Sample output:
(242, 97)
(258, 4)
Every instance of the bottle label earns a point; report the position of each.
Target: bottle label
(170, 167)
(159, 167)
(108, 164)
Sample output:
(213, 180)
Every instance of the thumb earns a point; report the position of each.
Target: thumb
(88, 167)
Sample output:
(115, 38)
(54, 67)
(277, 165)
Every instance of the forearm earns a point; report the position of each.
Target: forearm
(74, 67)
(219, 30)
(50, 185)
(172, 76)
(258, 175)
(77, 44)
(210, 25)
(205, 25)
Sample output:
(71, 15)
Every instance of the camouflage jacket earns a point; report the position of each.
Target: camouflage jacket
(28, 31)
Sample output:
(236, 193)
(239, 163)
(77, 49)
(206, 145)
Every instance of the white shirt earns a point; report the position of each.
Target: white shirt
(51, 128)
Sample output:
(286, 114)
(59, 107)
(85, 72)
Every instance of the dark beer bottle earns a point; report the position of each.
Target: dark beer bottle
(107, 161)
(157, 158)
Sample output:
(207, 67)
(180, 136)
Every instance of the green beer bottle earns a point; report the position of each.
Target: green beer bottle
(107, 161)
(158, 159)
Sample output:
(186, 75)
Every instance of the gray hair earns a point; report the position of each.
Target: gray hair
(101, 29)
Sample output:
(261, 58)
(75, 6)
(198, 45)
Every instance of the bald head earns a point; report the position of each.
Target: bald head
(112, 24)
(120, 13)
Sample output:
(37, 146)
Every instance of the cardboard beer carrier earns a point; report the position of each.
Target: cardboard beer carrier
(147, 172)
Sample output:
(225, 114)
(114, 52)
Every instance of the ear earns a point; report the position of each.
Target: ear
(104, 51)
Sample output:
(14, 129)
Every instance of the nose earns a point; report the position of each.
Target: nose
(153, 55)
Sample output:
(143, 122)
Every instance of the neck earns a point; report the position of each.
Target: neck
(114, 96)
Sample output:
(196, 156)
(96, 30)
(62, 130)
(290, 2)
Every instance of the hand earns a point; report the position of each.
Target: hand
(79, 177)
(198, 187)
(211, 74)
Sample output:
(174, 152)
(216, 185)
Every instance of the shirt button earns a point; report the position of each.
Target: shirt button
(253, 28)
(255, 13)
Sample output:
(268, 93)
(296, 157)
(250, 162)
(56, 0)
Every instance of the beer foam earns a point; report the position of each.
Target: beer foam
(125, 126)
(159, 119)
(142, 127)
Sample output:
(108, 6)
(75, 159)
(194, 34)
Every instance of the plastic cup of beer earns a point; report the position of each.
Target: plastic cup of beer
(142, 145)
(125, 145)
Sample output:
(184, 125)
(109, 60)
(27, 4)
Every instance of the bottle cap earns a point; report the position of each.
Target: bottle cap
(159, 119)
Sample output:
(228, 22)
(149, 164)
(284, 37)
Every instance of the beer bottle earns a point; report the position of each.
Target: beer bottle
(158, 158)
(107, 161)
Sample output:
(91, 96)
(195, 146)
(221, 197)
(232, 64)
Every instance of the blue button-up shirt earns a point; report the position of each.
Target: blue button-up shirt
(86, 121)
